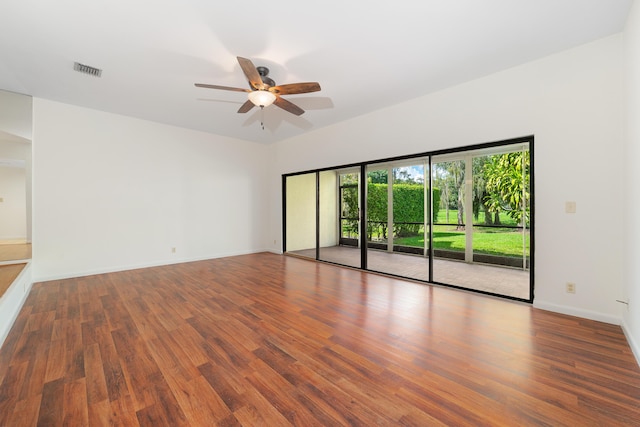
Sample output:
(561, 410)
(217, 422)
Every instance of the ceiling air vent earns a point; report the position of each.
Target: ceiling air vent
(81, 68)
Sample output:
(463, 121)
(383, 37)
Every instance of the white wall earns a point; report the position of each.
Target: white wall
(112, 192)
(13, 207)
(301, 212)
(632, 193)
(15, 144)
(573, 103)
(15, 114)
(13, 184)
(12, 299)
(328, 209)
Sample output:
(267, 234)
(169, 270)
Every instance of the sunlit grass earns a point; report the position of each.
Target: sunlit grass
(492, 241)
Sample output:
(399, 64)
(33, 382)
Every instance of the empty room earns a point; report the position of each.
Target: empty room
(410, 213)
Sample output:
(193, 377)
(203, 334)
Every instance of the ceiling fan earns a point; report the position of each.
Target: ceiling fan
(263, 91)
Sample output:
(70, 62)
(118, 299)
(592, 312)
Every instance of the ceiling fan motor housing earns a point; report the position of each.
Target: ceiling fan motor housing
(264, 72)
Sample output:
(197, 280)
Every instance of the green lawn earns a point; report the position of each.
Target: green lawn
(453, 218)
(485, 240)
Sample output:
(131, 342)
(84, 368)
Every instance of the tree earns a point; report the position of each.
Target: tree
(507, 185)
(480, 192)
(378, 176)
(449, 177)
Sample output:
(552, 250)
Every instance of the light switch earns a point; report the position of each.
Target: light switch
(1, 200)
(570, 207)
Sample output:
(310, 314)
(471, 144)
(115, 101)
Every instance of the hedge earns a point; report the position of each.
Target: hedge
(408, 207)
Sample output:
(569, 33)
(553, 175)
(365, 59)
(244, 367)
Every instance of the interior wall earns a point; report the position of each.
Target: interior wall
(13, 207)
(328, 209)
(15, 114)
(13, 182)
(301, 212)
(632, 193)
(113, 192)
(572, 102)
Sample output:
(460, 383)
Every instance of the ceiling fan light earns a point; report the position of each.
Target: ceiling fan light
(261, 98)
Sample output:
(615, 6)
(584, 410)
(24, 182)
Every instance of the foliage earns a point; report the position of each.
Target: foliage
(377, 210)
(449, 176)
(408, 207)
(507, 185)
(378, 176)
(349, 210)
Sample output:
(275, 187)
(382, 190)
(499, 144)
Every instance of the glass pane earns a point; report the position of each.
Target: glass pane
(449, 241)
(491, 252)
(379, 241)
(301, 214)
(501, 214)
(339, 218)
(500, 210)
(377, 214)
(396, 239)
(408, 209)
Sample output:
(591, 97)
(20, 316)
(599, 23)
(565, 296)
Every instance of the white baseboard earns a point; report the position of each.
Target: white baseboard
(635, 347)
(572, 311)
(12, 300)
(15, 238)
(115, 269)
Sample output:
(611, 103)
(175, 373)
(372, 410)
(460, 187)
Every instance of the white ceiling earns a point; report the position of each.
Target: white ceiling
(366, 55)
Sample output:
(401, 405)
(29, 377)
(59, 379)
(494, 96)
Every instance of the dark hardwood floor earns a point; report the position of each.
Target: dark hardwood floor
(273, 340)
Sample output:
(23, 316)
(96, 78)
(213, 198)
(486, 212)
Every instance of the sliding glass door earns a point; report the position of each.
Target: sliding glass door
(339, 196)
(460, 217)
(398, 218)
(481, 233)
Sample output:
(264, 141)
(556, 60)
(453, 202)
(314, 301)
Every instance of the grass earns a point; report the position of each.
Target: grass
(487, 241)
(505, 219)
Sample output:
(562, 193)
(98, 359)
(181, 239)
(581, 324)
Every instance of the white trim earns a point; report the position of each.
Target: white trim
(12, 300)
(573, 311)
(635, 346)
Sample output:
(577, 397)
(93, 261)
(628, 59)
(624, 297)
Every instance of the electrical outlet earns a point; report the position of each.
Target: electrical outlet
(173, 250)
(571, 288)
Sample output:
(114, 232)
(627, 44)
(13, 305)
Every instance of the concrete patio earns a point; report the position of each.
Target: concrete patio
(498, 280)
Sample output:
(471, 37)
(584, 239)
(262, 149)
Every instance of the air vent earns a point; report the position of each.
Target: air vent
(86, 69)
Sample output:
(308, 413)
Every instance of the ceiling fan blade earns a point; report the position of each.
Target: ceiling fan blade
(251, 72)
(246, 107)
(293, 88)
(288, 106)
(235, 89)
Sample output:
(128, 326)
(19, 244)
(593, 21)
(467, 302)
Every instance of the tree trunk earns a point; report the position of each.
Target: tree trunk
(488, 220)
(460, 210)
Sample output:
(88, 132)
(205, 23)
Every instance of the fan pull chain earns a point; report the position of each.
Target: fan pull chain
(262, 116)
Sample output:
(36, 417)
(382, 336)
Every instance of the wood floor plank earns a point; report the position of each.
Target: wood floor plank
(265, 339)
(99, 414)
(28, 410)
(75, 407)
(51, 406)
(9, 273)
(96, 383)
